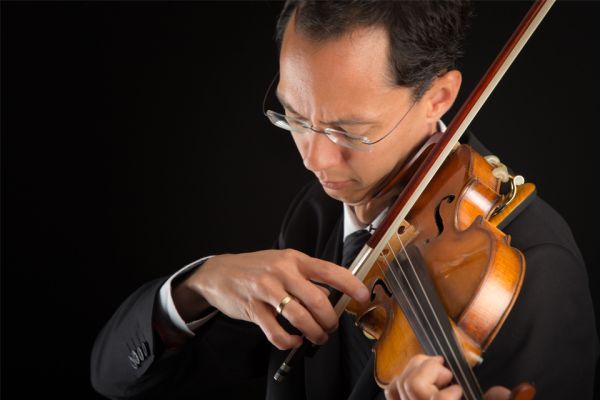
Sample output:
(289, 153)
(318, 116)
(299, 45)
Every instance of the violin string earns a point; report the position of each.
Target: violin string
(440, 347)
(406, 298)
(447, 340)
(410, 302)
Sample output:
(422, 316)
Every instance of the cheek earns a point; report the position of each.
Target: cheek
(367, 168)
(378, 165)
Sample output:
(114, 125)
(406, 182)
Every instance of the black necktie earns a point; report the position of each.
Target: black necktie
(356, 348)
(352, 245)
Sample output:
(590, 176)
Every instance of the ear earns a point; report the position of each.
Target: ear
(442, 94)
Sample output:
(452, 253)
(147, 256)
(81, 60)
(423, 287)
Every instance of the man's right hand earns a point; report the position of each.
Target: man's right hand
(250, 286)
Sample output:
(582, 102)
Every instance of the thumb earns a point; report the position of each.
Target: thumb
(497, 393)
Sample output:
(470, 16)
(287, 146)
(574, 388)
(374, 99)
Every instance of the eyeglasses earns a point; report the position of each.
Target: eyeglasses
(342, 138)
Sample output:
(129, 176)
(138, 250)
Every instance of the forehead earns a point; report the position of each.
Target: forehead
(353, 66)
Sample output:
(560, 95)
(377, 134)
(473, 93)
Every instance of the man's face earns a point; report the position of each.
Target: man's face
(346, 84)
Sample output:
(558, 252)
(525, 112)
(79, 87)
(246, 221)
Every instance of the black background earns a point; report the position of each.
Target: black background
(133, 143)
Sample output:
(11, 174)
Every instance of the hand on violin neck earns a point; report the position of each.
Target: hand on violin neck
(423, 378)
(426, 377)
(255, 287)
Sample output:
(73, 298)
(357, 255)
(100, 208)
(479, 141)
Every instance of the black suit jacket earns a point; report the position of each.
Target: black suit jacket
(549, 338)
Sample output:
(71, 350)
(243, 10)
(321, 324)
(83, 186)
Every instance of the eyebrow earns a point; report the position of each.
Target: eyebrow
(350, 120)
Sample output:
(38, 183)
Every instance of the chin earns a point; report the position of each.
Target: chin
(344, 196)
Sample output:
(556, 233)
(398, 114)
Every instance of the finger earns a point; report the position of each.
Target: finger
(303, 320)
(335, 276)
(264, 317)
(391, 392)
(417, 360)
(443, 374)
(315, 301)
(322, 288)
(497, 393)
(427, 377)
(296, 314)
(453, 392)
(396, 388)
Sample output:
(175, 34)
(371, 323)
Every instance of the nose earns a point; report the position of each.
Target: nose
(318, 152)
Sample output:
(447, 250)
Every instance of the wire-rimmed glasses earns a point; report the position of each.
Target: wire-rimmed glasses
(342, 138)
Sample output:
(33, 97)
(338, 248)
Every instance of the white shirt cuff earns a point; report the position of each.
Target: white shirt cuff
(167, 306)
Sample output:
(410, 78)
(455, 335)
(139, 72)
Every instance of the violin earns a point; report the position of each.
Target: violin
(443, 276)
(446, 279)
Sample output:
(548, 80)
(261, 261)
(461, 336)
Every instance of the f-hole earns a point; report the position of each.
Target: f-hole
(438, 217)
(380, 282)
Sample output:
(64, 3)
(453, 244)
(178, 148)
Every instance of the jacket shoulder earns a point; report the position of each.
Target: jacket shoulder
(541, 225)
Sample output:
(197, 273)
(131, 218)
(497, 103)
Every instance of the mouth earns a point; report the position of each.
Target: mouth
(335, 185)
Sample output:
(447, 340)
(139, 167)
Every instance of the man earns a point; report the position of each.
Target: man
(362, 85)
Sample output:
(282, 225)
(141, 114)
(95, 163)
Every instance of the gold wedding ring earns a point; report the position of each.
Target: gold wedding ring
(283, 303)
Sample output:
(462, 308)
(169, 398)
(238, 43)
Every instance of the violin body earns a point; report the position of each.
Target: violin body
(476, 273)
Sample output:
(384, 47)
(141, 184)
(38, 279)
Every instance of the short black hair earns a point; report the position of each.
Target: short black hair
(426, 37)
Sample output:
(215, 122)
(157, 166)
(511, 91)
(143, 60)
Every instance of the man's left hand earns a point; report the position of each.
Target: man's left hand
(426, 377)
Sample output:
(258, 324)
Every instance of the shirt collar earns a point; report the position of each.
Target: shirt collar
(352, 224)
